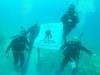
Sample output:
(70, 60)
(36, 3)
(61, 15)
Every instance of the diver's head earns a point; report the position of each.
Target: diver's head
(22, 30)
(71, 9)
(23, 33)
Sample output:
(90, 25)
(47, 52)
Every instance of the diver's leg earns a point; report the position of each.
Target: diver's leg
(74, 69)
(15, 56)
(22, 59)
(66, 32)
(47, 37)
(64, 63)
(23, 64)
(31, 39)
(50, 35)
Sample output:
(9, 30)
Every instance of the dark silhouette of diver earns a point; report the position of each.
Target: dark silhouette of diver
(32, 33)
(48, 34)
(69, 20)
(18, 47)
(71, 53)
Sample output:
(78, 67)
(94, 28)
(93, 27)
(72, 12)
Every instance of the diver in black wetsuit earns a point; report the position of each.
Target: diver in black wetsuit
(71, 53)
(18, 46)
(32, 33)
(48, 34)
(69, 20)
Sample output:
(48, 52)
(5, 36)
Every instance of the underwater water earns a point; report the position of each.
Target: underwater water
(17, 13)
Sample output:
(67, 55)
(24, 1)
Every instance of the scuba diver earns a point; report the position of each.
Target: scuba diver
(32, 33)
(18, 47)
(71, 54)
(48, 34)
(69, 20)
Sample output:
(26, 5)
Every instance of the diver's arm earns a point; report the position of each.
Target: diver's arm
(27, 42)
(8, 49)
(86, 50)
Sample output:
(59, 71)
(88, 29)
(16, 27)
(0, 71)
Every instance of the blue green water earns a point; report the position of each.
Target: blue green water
(16, 13)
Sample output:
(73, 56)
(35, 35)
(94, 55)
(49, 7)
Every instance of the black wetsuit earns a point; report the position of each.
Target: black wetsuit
(18, 46)
(69, 22)
(48, 34)
(72, 52)
(33, 33)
